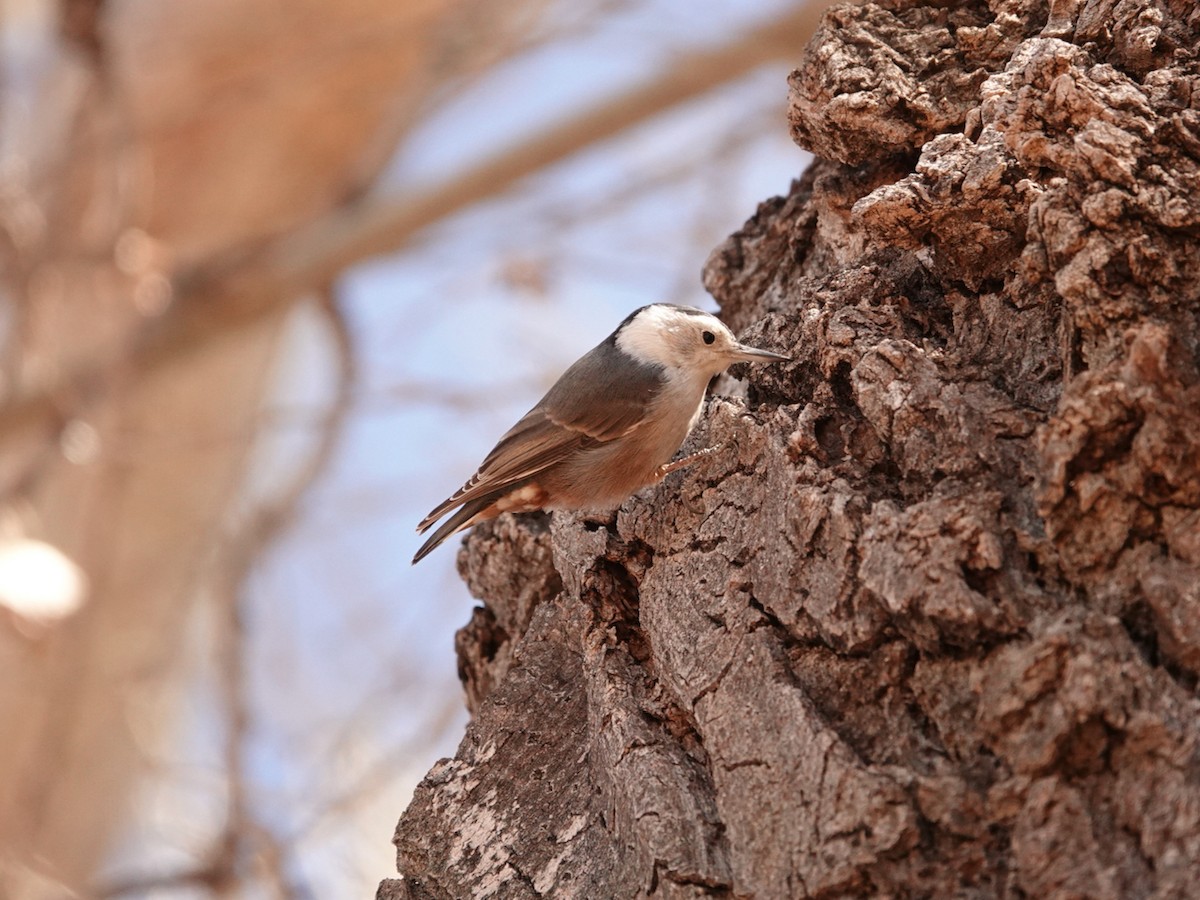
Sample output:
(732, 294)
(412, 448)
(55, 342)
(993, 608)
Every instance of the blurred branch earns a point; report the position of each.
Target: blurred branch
(199, 877)
(244, 837)
(377, 225)
(242, 827)
(232, 292)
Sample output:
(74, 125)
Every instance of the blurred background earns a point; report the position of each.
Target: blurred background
(275, 276)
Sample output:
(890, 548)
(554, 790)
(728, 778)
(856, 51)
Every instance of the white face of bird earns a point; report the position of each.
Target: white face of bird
(684, 338)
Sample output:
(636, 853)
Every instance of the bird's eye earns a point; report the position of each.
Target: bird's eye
(709, 337)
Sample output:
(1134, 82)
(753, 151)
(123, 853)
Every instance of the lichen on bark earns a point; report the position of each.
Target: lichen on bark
(929, 622)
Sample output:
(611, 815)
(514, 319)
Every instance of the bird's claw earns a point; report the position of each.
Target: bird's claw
(667, 468)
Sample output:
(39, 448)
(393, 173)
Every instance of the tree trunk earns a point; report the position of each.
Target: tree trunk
(929, 622)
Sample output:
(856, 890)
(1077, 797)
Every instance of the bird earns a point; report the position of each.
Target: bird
(608, 427)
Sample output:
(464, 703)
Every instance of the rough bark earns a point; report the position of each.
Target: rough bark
(929, 623)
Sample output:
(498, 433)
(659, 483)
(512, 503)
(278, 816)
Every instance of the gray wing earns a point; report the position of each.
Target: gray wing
(603, 396)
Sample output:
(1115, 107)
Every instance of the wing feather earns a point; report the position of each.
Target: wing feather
(602, 397)
(530, 447)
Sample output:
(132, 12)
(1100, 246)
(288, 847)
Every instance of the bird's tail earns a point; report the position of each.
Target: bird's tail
(465, 517)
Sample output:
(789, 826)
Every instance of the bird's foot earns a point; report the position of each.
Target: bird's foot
(666, 469)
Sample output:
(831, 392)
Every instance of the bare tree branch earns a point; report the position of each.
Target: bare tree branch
(234, 291)
(244, 838)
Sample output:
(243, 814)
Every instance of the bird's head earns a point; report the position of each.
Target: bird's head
(685, 339)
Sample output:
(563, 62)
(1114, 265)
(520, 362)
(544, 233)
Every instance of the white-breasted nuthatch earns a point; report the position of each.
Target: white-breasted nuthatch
(608, 427)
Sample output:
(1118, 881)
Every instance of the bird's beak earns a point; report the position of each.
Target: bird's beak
(753, 354)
